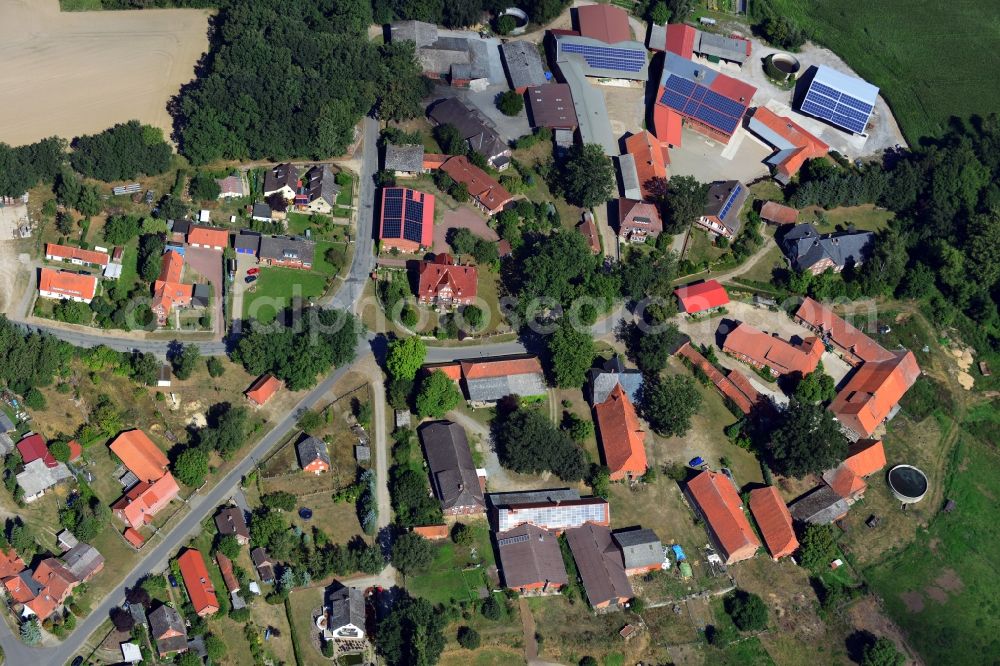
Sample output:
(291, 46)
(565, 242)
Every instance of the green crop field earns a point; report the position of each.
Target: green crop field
(944, 588)
(932, 59)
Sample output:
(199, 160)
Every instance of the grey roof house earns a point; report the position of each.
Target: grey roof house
(641, 549)
(248, 242)
(524, 64)
(404, 159)
(807, 250)
(821, 506)
(289, 251)
(723, 204)
(600, 564)
(346, 614)
(260, 212)
(166, 627)
(461, 55)
(313, 455)
(453, 474)
(83, 561)
(320, 188)
(232, 521)
(283, 179)
(201, 295)
(480, 136)
(530, 559)
(263, 564)
(612, 372)
(37, 477)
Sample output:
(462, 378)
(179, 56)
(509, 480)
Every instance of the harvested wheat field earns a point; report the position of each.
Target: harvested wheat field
(74, 73)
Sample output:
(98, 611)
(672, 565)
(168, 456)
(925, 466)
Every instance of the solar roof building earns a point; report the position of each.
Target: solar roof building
(844, 101)
(554, 509)
(407, 219)
(621, 60)
(711, 103)
(723, 204)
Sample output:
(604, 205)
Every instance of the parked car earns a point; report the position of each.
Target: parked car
(173, 581)
(253, 271)
(250, 279)
(697, 461)
(305, 513)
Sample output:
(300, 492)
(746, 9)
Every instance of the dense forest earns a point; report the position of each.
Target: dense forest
(24, 167)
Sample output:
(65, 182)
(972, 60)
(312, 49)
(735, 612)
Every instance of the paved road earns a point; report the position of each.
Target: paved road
(158, 347)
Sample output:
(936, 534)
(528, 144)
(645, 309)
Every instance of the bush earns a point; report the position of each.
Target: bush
(468, 638)
(747, 610)
(510, 103)
(493, 609)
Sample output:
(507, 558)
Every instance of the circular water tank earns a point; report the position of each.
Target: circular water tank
(781, 66)
(907, 483)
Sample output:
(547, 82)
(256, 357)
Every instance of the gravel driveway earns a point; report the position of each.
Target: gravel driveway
(462, 217)
(208, 264)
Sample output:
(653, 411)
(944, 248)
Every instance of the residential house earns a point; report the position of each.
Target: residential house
(552, 106)
(721, 215)
(820, 506)
(864, 458)
(600, 565)
(33, 447)
(318, 191)
(456, 481)
(262, 389)
(774, 521)
(286, 251)
(406, 219)
(168, 290)
(611, 373)
(442, 283)
(588, 229)
(642, 551)
(807, 250)
(554, 509)
(211, 238)
(621, 435)
(474, 129)
(83, 561)
(11, 563)
(132, 536)
(793, 144)
(263, 564)
(231, 520)
(231, 187)
(651, 160)
(247, 242)
(22, 588)
(140, 455)
(261, 212)
(714, 497)
(283, 180)
(313, 455)
(490, 379)
(57, 582)
(37, 477)
(198, 583)
(487, 194)
(779, 214)
(761, 350)
(704, 296)
(404, 160)
(872, 394)
(638, 221)
(524, 65)
(530, 560)
(166, 627)
(66, 285)
(144, 500)
(228, 574)
(76, 256)
(345, 616)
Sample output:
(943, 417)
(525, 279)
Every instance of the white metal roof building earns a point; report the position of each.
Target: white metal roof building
(840, 99)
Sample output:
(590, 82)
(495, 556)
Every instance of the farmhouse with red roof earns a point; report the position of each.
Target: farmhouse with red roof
(714, 496)
(406, 219)
(761, 350)
(263, 389)
(198, 583)
(66, 285)
(793, 144)
(621, 436)
(440, 282)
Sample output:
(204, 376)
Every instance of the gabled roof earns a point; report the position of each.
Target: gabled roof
(281, 175)
(407, 216)
(33, 447)
(866, 457)
(434, 276)
(171, 266)
(140, 455)
(37, 476)
(599, 563)
(133, 537)
(793, 143)
(57, 580)
(83, 561)
(489, 380)
(720, 505)
(552, 106)
(873, 391)
(22, 587)
(606, 23)
(197, 581)
(680, 39)
(347, 608)
(287, 248)
(482, 187)
(640, 547)
(651, 160)
(231, 185)
(701, 296)
(843, 334)
(734, 386)
(312, 449)
(611, 373)
(69, 252)
(144, 500)
(820, 506)
(321, 183)
(228, 575)
(530, 555)
(621, 434)
(166, 626)
(588, 229)
(780, 355)
(11, 563)
(524, 64)
(452, 471)
(724, 201)
(633, 213)
(263, 389)
(773, 211)
(211, 236)
(844, 482)
(774, 521)
(805, 247)
(231, 521)
(66, 283)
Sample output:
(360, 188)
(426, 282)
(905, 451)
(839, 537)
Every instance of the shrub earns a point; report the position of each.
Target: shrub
(510, 103)
(747, 610)
(468, 638)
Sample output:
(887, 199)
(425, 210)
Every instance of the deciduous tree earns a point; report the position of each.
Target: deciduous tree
(587, 176)
(669, 404)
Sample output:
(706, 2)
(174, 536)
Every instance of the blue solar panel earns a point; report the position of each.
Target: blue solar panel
(606, 57)
(682, 86)
(730, 201)
(836, 107)
(674, 100)
(864, 107)
(699, 93)
(391, 227)
(698, 102)
(826, 90)
(718, 120)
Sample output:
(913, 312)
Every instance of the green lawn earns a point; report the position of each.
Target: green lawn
(275, 289)
(320, 263)
(864, 218)
(452, 574)
(943, 589)
(931, 59)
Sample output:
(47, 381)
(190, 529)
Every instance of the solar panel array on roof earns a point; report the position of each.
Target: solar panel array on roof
(729, 202)
(698, 102)
(608, 57)
(837, 107)
(413, 219)
(392, 222)
(520, 538)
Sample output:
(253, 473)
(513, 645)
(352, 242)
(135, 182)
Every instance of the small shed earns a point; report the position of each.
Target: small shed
(779, 214)
(131, 654)
(362, 454)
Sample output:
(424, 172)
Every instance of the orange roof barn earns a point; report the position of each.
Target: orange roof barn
(198, 583)
(142, 457)
(621, 435)
(774, 521)
(715, 498)
(263, 389)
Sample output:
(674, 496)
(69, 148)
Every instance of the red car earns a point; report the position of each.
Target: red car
(253, 271)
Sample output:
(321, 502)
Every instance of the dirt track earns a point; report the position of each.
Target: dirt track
(75, 73)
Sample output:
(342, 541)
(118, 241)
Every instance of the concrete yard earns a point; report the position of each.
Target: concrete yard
(708, 160)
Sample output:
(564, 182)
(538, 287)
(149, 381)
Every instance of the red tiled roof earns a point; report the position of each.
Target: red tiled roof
(482, 187)
(210, 236)
(604, 22)
(866, 457)
(773, 211)
(589, 231)
(432, 531)
(844, 335)
(144, 500)
(701, 296)
(806, 145)
(133, 537)
(680, 39)
(719, 504)
(743, 394)
(68, 252)
(501, 367)
(774, 521)
(638, 216)
(75, 450)
(781, 356)
(11, 563)
(844, 482)
(263, 389)
(228, 575)
(171, 266)
(621, 435)
(872, 392)
(668, 124)
(461, 281)
(434, 160)
(57, 579)
(197, 582)
(33, 448)
(18, 589)
(43, 605)
(68, 284)
(142, 457)
(451, 370)
(168, 294)
(651, 160)
(734, 89)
